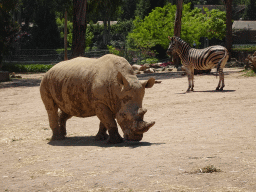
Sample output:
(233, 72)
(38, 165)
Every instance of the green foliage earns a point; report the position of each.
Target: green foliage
(247, 48)
(60, 23)
(249, 73)
(154, 29)
(149, 61)
(26, 68)
(113, 50)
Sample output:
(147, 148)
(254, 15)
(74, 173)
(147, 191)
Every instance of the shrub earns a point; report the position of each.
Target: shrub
(26, 68)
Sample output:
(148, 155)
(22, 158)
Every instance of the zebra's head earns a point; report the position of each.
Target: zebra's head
(172, 46)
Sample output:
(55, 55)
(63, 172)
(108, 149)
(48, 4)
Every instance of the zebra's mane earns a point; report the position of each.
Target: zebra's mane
(181, 41)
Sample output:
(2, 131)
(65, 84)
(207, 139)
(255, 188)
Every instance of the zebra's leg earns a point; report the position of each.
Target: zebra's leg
(222, 79)
(189, 82)
(221, 84)
(190, 79)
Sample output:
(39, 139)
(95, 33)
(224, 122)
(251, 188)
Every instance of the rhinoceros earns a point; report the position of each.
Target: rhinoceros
(106, 87)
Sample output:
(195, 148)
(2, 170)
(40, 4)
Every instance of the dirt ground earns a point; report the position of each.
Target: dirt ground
(192, 131)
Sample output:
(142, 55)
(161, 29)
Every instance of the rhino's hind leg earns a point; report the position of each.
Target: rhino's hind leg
(102, 134)
(107, 119)
(63, 117)
(57, 134)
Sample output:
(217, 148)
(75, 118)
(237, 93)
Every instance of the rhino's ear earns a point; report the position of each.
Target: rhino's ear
(149, 83)
(122, 80)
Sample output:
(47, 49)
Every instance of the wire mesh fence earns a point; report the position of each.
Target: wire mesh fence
(30, 56)
(52, 56)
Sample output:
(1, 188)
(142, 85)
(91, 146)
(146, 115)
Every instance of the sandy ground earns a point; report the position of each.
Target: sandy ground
(192, 131)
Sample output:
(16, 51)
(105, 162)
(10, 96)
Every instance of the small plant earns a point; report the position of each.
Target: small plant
(14, 139)
(249, 73)
(209, 169)
(206, 169)
(113, 50)
(149, 61)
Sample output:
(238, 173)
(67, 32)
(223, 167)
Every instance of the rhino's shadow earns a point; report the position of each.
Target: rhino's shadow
(90, 141)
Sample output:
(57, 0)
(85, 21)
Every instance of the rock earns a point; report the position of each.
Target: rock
(136, 67)
(143, 68)
(13, 75)
(150, 70)
(146, 65)
(4, 76)
(156, 65)
(137, 72)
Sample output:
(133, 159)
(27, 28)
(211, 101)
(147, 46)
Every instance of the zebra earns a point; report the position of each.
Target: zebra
(200, 59)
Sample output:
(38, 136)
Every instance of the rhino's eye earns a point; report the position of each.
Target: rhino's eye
(123, 115)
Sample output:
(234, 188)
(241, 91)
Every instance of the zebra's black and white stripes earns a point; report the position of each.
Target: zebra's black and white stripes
(200, 59)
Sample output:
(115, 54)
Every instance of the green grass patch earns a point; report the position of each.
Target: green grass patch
(149, 61)
(249, 73)
(23, 68)
(247, 48)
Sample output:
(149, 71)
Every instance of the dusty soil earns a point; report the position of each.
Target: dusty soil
(192, 131)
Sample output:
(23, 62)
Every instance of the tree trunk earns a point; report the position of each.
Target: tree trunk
(177, 30)
(79, 28)
(229, 25)
(109, 28)
(105, 31)
(65, 37)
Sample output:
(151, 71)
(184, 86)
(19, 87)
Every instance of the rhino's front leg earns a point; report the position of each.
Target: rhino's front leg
(107, 119)
(102, 134)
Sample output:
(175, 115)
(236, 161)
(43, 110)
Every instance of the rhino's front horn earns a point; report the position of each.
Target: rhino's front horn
(141, 113)
(144, 126)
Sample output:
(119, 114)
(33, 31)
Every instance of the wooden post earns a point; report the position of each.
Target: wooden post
(177, 29)
(65, 37)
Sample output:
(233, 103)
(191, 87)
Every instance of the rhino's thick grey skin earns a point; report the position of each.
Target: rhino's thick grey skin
(106, 87)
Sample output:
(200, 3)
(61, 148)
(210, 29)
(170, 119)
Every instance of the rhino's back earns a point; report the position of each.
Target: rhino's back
(77, 84)
(69, 84)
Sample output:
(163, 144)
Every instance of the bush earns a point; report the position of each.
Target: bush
(247, 49)
(35, 68)
(149, 61)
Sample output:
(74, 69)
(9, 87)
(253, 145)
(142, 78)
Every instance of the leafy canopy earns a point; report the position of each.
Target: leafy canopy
(154, 29)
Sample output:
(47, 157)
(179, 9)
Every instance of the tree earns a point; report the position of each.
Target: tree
(79, 27)
(250, 13)
(9, 29)
(229, 25)
(128, 10)
(142, 8)
(45, 34)
(159, 24)
(177, 29)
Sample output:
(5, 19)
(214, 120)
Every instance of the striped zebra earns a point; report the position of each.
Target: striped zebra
(200, 59)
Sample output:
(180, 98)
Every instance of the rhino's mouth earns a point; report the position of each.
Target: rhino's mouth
(136, 133)
(134, 128)
(133, 137)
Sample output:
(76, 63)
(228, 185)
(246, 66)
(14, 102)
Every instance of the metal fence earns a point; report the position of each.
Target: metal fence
(30, 56)
(52, 56)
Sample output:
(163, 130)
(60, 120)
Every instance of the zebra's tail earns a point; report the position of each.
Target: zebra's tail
(220, 61)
